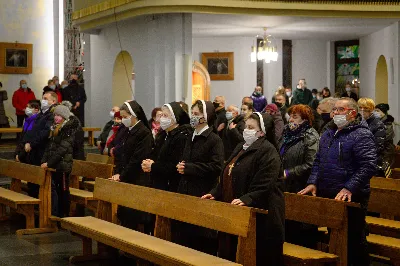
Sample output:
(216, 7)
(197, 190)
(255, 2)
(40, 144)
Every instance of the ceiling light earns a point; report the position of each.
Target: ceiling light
(266, 51)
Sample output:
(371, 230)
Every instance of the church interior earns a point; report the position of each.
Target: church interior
(154, 52)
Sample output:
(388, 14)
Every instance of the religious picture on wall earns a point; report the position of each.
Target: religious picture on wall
(15, 58)
(347, 52)
(220, 66)
(347, 72)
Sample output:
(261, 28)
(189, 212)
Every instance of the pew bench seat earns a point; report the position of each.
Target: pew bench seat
(383, 226)
(144, 246)
(295, 255)
(89, 185)
(13, 199)
(385, 246)
(83, 197)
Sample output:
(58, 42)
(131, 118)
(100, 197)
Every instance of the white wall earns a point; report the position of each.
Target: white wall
(156, 47)
(245, 71)
(273, 74)
(309, 61)
(384, 42)
(28, 21)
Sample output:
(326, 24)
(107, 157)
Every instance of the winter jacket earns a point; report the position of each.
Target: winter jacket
(204, 157)
(59, 151)
(389, 147)
(256, 182)
(106, 131)
(353, 95)
(117, 146)
(3, 117)
(346, 159)
(21, 98)
(302, 97)
(259, 102)
(278, 125)
(20, 149)
(163, 170)
(79, 151)
(298, 158)
(283, 111)
(38, 137)
(232, 137)
(75, 93)
(379, 131)
(221, 119)
(57, 91)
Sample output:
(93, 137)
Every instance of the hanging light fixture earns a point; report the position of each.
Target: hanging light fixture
(266, 51)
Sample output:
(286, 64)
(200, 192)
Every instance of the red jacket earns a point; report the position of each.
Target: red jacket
(21, 98)
(58, 92)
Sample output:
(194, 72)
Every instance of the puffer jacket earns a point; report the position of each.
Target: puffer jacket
(59, 152)
(346, 159)
(298, 158)
(259, 102)
(389, 148)
(379, 131)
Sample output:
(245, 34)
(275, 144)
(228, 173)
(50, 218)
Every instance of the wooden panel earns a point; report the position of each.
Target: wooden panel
(313, 210)
(15, 197)
(11, 130)
(306, 254)
(144, 246)
(91, 129)
(385, 183)
(91, 169)
(384, 201)
(98, 158)
(30, 173)
(211, 214)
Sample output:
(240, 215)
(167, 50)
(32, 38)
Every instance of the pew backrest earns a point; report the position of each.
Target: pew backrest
(205, 213)
(385, 183)
(98, 158)
(384, 201)
(21, 171)
(91, 169)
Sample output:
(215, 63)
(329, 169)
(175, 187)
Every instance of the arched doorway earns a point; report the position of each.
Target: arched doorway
(381, 81)
(200, 82)
(123, 79)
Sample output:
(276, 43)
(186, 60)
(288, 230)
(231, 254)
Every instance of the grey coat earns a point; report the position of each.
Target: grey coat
(3, 117)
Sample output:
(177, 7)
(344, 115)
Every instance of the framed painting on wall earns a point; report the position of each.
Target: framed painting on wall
(15, 58)
(220, 66)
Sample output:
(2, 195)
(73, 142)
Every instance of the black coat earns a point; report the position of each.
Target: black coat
(75, 93)
(221, 119)
(389, 150)
(117, 145)
(353, 95)
(38, 137)
(298, 158)
(3, 118)
(79, 150)
(106, 131)
(297, 99)
(283, 111)
(204, 157)
(163, 170)
(257, 182)
(378, 129)
(59, 151)
(232, 137)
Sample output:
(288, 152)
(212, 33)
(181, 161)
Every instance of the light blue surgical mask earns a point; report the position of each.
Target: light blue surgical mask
(64, 86)
(24, 86)
(229, 115)
(53, 87)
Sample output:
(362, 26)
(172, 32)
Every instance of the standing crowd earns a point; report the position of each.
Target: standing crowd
(304, 142)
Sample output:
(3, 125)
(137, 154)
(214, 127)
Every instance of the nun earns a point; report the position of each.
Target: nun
(135, 147)
(199, 169)
(252, 177)
(174, 122)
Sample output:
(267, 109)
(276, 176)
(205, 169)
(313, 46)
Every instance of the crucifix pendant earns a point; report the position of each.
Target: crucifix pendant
(230, 169)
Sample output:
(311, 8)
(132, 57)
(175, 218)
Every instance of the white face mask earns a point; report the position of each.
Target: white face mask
(45, 105)
(348, 89)
(288, 93)
(127, 121)
(249, 136)
(28, 111)
(165, 122)
(378, 114)
(340, 121)
(112, 114)
(229, 115)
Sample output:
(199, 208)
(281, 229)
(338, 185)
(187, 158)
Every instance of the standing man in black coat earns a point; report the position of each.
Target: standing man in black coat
(220, 112)
(76, 95)
(349, 93)
(302, 95)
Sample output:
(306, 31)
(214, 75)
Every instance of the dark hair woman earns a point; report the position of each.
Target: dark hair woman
(154, 121)
(251, 177)
(135, 147)
(201, 164)
(174, 122)
(298, 149)
(326, 93)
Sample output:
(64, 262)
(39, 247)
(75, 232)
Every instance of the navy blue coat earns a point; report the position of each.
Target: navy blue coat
(346, 159)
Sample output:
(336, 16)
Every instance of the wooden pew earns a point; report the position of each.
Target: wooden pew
(90, 131)
(228, 218)
(395, 173)
(384, 239)
(324, 213)
(89, 170)
(97, 158)
(22, 203)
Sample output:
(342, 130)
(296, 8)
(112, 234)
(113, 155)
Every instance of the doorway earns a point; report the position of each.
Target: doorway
(381, 81)
(123, 79)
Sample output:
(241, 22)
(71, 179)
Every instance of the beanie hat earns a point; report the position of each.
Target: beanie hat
(117, 115)
(384, 107)
(62, 111)
(272, 107)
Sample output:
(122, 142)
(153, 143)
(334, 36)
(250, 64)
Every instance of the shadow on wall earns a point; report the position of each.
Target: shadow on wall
(123, 79)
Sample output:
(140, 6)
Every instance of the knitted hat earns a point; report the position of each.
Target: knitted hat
(384, 107)
(272, 107)
(62, 111)
(117, 115)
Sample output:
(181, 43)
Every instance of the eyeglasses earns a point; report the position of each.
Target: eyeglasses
(340, 109)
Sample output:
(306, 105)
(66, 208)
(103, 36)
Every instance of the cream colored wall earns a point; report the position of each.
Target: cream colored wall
(122, 79)
(28, 22)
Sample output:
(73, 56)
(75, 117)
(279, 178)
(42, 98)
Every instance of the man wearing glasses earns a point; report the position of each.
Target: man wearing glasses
(342, 169)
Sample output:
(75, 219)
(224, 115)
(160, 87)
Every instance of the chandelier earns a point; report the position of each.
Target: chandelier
(266, 51)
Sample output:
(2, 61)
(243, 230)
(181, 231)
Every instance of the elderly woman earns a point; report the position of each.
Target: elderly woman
(381, 111)
(251, 177)
(297, 150)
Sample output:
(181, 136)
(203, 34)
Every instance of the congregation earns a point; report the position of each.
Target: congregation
(304, 142)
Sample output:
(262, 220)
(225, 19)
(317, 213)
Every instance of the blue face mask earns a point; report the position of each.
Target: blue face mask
(229, 115)
(24, 86)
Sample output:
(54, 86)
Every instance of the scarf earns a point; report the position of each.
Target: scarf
(155, 128)
(55, 129)
(112, 137)
(292, 136)
(29, 122)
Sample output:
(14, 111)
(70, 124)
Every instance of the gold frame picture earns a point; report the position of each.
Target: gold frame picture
(15, 58)
(220, 66)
